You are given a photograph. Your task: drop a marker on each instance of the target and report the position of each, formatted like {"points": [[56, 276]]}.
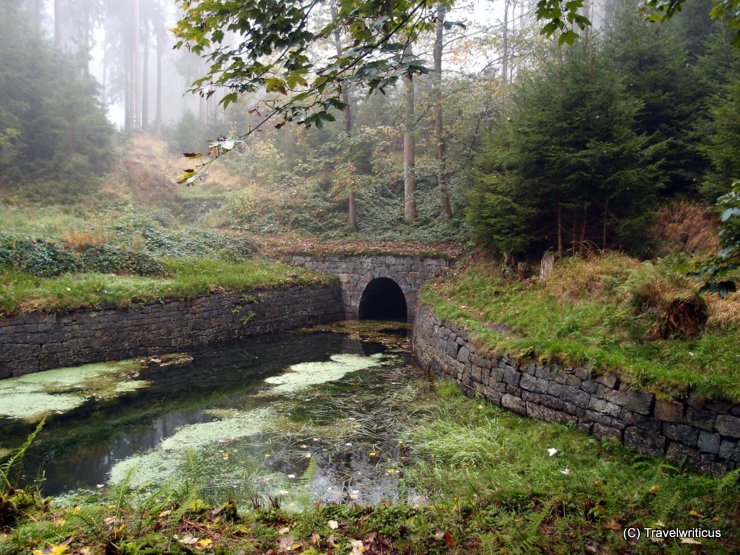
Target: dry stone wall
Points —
{"points": [[705, 432], [33, 342]]}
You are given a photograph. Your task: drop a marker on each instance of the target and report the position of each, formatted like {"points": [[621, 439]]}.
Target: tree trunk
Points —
{"points": [[603, 229], [444, 199], [352, 209], [347, 113], [160, 53], [136, 23], [57, 23], [409, 145], [85, 55], [573, 233], [145, 78], [37, 15], [560, 230], [582, 247], [505, 45]]}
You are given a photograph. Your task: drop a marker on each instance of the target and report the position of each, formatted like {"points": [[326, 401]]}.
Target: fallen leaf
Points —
{"points": [[284, 530], [612, 525], [692, 512], [449, 540], [690, 541], [187, 539], [51, 549], [357, 547], [205, 543], [333, 524]]}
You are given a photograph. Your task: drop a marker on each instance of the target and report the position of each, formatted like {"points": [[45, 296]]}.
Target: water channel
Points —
{"points": [[304, 416]]}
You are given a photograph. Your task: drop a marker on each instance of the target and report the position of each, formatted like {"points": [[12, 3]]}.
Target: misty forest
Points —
{"points": [[369, 276]]}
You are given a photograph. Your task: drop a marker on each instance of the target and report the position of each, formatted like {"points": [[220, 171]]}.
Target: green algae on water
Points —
{"points": [[166, 461], [306, 374], [32, 396]]}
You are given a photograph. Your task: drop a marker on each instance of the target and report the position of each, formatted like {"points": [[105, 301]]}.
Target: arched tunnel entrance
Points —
{"points": [[383, 300]]}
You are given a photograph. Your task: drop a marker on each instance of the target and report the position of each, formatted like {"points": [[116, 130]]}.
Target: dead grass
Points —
{"points": [[723, 312], [81, 240], [596, 276], [685, 226], [293, 243]]}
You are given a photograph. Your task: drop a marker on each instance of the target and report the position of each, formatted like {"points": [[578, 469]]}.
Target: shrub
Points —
{"points": [[669, 298], [108, 259], [41, 257], [48, 258]]}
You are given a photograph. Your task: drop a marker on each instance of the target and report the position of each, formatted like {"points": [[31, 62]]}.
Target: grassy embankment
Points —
{"points": [[492, 487], [24, 292], [596, 313]]}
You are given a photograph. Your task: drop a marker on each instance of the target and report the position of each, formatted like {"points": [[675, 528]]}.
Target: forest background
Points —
{"points": [[512, 140]]}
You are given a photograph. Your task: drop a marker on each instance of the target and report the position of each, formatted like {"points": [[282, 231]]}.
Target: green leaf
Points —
{"points": [[568, 37], [229, 99], [273, 84]]}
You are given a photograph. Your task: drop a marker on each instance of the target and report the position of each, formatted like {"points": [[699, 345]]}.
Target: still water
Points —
{"points": [[303, 416]]}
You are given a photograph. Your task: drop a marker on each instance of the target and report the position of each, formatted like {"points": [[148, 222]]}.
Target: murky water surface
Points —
{"points": [[300, 416]]}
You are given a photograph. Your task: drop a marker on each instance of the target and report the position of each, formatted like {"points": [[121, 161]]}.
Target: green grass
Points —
{"points": [[23, 292], [48, 221], [597, 328], [494, 468], [492, 488]]}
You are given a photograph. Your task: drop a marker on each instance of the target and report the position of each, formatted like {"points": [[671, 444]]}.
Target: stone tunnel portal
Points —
{"points": [[383, 300]]}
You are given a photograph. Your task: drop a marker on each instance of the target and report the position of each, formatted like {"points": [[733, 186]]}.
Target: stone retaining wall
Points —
{"points": [[355, 272], [33, 342], [706, 432]]}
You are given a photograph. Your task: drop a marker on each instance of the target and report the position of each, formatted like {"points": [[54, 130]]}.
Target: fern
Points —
{"points": [[7, 467]]}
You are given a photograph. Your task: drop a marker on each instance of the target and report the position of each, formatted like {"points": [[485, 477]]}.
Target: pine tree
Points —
{"points": [[566, 168]]}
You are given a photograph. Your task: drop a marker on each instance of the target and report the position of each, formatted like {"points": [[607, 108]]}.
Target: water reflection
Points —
{"points": [[354, 457]]}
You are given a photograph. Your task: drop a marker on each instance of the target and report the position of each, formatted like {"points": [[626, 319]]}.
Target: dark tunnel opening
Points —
{"points": [[383, 300]]}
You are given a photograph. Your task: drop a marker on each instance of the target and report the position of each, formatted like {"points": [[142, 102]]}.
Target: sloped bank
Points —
{"points": [[703, 431], [39, 341]]}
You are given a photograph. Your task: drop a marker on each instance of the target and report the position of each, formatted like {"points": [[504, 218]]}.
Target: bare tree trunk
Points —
{"points": [[57, 23], [145, 78], [409, 146], [505, 46], [160, 53], [444, 199], [582, 248], [603, 229], [347, 113], [128, 86], [573, 234], [560, 230], [37, 4], [135, 71], [86, 46]]}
